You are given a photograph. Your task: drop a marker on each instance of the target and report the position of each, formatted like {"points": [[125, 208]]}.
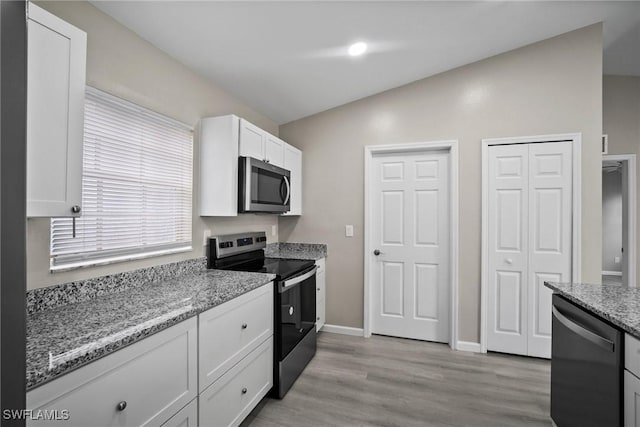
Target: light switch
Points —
{"points": [[274, 230], [207, 234], [616, 260], [348, 230]]}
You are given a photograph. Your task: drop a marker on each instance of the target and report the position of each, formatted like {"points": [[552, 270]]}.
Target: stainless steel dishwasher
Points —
{"points": [[586, 368]]}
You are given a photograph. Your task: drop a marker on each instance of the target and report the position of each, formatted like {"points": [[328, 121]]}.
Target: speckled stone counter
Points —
{"points": [[618, 304], [310, 251], [65, 337]]}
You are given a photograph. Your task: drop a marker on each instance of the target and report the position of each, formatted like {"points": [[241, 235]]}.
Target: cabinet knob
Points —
{"points": [[122, 405], [317, 318], [244, 326], [318, 288], [75, 209], [244, 390]]}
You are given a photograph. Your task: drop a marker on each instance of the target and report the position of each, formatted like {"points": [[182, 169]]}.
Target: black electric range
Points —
{"points": [[294, 300]]}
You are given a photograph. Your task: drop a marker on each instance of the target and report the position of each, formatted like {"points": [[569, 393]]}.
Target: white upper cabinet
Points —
{"points": [[274, 151], [293, 163], [219, 166], [261, 145], [57, 54], [252, 140], [222, 140]]}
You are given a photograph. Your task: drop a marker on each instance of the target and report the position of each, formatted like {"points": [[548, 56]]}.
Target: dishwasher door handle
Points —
{"points": [[584, 333]]}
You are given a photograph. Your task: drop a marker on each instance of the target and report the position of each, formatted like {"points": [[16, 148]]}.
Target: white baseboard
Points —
{"points": [[473, 347], [612, 273], [344, 330]]}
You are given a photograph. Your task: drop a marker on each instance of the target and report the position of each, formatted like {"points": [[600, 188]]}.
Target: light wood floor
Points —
{"points": [[396, 382]]}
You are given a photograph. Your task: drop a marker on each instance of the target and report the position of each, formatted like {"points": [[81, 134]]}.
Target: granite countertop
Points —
{"points": [[618, 304], [64, 338], [310, 251]]}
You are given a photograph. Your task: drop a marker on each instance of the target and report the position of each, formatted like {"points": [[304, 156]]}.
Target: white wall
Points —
{"points": [[611, 220], [554, 86], [123, 64]]}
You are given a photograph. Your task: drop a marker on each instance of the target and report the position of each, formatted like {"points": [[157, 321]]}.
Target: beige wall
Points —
{"points": [[125, 65], [554, 86], [621, 121]]}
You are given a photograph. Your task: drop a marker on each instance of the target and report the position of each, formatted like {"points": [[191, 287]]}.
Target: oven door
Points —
{"points": [[263, 187], [297, 314]]}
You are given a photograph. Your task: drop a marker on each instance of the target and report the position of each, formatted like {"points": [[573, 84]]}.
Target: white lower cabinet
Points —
{"points": [[230, 399], [235, 357], [144, 384], [320, 293], [186, 417], [229, 332], [631, 382]]}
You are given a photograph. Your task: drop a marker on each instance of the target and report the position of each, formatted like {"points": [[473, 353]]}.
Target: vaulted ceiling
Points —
{"points": [[289, 59]]}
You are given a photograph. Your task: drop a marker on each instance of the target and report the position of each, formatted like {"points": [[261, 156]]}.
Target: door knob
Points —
{"points": [[508, 261], [377, 252]]}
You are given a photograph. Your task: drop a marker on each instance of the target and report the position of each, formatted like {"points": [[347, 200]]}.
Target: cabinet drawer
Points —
{"points": [[228, 332], [186, 417], [155, 377], [230, 399], [632, 354]]}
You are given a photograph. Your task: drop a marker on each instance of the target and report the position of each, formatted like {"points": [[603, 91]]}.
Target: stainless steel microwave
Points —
{"points": [[262, 187]]}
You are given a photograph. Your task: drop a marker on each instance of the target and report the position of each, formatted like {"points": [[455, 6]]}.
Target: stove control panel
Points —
{"points": [[234, 244]]}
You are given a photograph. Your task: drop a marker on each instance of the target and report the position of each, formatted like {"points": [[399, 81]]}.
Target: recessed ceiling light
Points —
{"points": [[357, 49]]}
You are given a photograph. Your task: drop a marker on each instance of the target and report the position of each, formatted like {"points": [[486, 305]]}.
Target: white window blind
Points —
{"points": [[136, 186]]}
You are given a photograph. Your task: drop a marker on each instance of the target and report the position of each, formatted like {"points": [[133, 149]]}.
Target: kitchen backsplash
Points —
{"points": [[83, 290]]}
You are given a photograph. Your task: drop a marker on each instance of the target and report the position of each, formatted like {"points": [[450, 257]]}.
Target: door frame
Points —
{"points": [[631, 239], [451, 146], [576, 145]]}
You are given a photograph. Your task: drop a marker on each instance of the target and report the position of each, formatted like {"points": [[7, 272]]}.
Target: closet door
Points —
{"points": [[550, 208], [508, 243], [530, 213]]}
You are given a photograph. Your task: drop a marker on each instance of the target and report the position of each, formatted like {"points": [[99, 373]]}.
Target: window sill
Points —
{"points": [[115, 259]]}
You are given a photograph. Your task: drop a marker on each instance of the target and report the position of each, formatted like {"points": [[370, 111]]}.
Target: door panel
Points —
{"points": [[508, 240], [508, 300], [550, 228], [392, 217], [392, 289], [530, 205], [410, 227]]}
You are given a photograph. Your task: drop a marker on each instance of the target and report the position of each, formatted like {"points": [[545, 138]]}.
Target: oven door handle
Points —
{"points": [[287, 284], [582, 332]]}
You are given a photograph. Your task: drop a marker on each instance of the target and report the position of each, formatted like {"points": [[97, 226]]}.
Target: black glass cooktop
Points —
{"points": [[283, 268]]}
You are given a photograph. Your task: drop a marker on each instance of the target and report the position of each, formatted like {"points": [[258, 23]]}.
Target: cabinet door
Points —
{"points": [[55, 114], [252, 140], [230, 331], [631, 400], [186, 417], [152, 379], [274, 151], [230, 399], [293, 162]]}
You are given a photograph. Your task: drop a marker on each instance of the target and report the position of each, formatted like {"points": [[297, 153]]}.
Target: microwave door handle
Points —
{"points": [[286, 182]]}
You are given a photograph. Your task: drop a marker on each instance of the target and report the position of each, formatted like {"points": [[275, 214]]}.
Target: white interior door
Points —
{"points": [[529, 207], [508, 243], [410, 276]]}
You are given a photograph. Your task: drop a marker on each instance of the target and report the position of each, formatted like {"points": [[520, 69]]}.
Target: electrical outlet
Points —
{"points": [[348, 230], [205, 239], [616, 260], [274, 230]]}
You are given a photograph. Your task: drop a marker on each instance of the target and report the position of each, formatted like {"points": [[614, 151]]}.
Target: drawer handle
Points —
{"points": [[244, 326], [244, 390], [122, 405]]}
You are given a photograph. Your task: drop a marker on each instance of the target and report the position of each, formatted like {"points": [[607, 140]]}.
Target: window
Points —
{"points": [[136, 187]]}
